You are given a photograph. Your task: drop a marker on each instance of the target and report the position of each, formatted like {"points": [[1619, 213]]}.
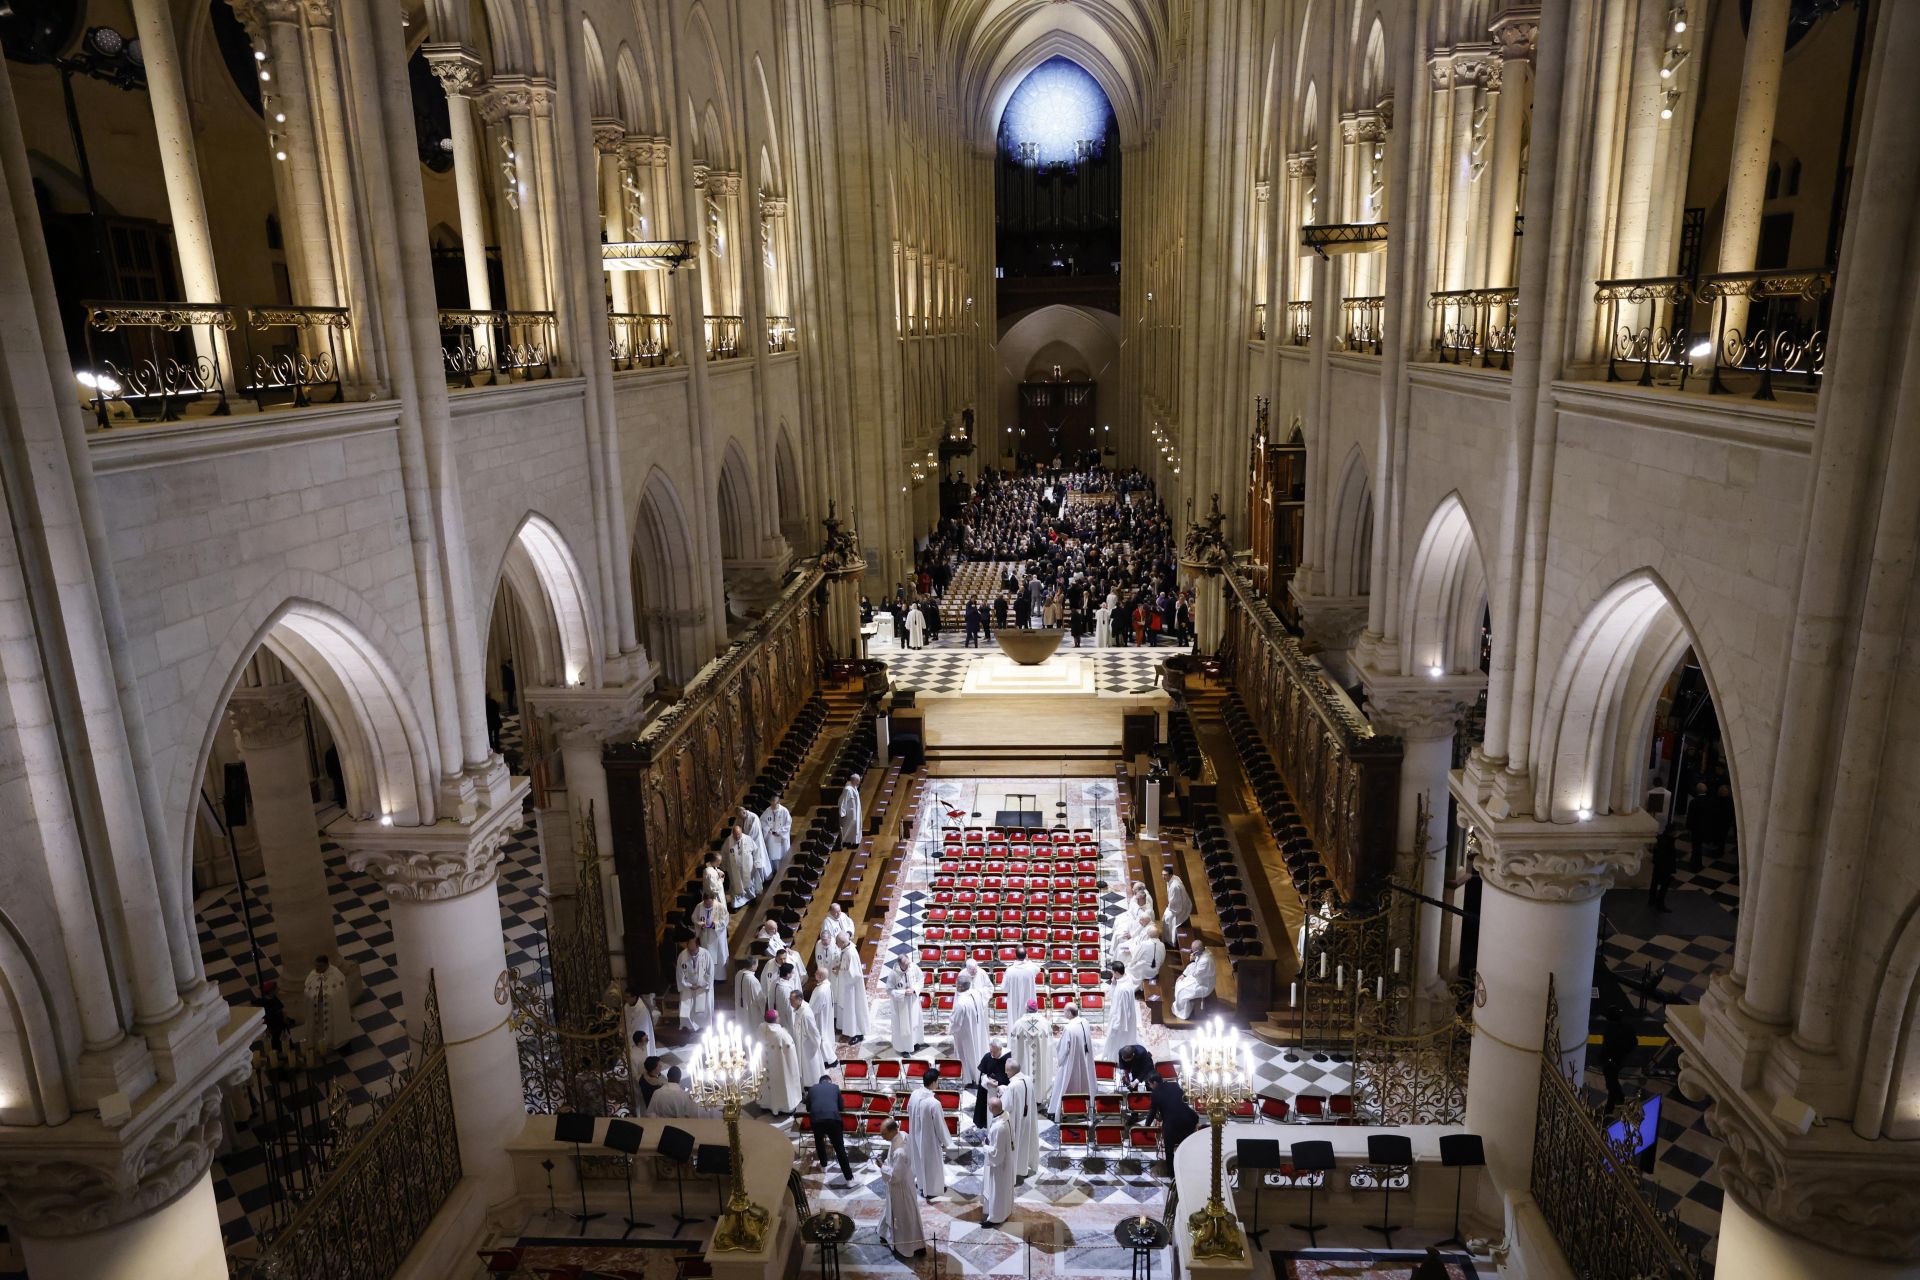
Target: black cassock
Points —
{"points": [[991, 1068]]}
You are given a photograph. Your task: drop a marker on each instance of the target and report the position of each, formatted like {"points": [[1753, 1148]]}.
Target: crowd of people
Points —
{"points": [[1090, 552]]}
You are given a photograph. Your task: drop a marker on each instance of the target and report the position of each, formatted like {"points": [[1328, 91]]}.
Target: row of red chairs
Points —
{"points": [[1111, 1137], [1085, 953], [1057, 1000], [873, 1123], [906, 1072], [1002, 835], [1041, 867], [1009, 918], [967, 899]]}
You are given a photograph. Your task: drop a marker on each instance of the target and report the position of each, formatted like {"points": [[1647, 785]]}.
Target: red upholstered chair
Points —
{"points": [[953, 1125], [1340, 1106], [949, 1099], [1110, 1137], [1074, 1135], [1274, 1109], [1168, 1070], [1106, 1072], [1075, 1106], [888, 1069], [854, 1069], [949, 1068], [500, 1262], [1144, 1138], [1108, 1106], [1310, 1106]]}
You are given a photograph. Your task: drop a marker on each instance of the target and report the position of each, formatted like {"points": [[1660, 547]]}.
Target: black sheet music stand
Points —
{"points": [[1313, 1159], [676, 1146], [624, 1136], [716, 1159], [1390, 1155], [1257, 1156], [1460, 1152], [574, 1127]]}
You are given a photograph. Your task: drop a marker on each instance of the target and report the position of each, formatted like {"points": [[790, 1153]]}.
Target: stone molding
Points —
{"points": [[1261, 191], [773, 206], [603, 713], [432, 864], [1517, 33], [1300, 164], [455, 66], [1330, 622], [717, 181], [1466, 67], [609, 137], [319, 12], [1419, 708], [507, 97], [268, 715], [1363, 126], [647, 153], [1553, 861]]}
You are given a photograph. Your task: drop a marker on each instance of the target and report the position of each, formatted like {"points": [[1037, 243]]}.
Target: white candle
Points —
{"points": [[1293, 994], [1379, 988], [1340, 978], [1323, 964], [1396, 959]]}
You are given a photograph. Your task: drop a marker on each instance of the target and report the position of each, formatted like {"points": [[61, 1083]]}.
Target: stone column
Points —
{"points": [[610, 142], [443, 887], [299, 140], [1514, 35], [1752, 144], [510, 103], [180, 169], [458, 70], [1539, 920], [270, 725]]}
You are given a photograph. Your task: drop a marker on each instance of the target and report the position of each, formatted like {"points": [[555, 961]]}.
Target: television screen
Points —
{"points": [[1649, 1127]]}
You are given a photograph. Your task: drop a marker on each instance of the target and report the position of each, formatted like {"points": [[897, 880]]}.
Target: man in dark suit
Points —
{"points": [[823, 1106], [1177, 1118]]}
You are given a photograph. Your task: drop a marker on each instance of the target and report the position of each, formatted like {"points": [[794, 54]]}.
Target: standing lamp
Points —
{"points": [[1460, 1152], [726, 1072], [577, 1128], [1257, 1156], [624, 1136], [1312, 1159], [1217, 1070]]}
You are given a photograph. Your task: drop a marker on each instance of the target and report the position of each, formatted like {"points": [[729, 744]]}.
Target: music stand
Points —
{"points": [[575, 1127], [1312, 1158], [1385, 1152], [624, 1136], [1258, 1155], [676, 1145], [716, 1159], [1460, 1152]]}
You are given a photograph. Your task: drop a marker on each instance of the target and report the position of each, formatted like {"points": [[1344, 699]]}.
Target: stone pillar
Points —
{"points": [[307, 220], [145, 1213], [1749, 1245], [180, 169], [443, 887], [610, 142], [270, 725], [1514, 36], [458, 70], [1209, 605], [1331, 625], [510, 104], [1539, 920], [1752, 144]]}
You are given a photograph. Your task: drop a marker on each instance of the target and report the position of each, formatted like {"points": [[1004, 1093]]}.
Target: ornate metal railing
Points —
{"points": [[724, 338], [1259, 322], [298, 1117], [293, 352], [1590, 1190], [1767, 325], [639, 340], [1362, 324], [781, 334], [486, 348], [155, 358], [384, 1191], [1300, 321], [1475, 324], [1417, 1077]]}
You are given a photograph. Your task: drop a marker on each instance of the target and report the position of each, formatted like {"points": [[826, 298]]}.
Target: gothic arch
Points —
{"points": [[666, 599], [33, 1086], [1351, 570], [735, 495], [1446, 596], [546, 583], [600, 99], [787, 488], [1887, 1098]]}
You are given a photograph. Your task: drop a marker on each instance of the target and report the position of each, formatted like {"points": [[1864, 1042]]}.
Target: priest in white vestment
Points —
{"points": [[850, 812], [821, 998], [329, 1010], [849, 992], [777, 822], [837, 925], [671, 1101], [916, 628], [771, 944], [1148, 954], [639, 1017], [927, 1131], [748, 1000], [904, 981], [996, 1189], [713, 876], [1179, 910], [710, 927], [1103, 628], [1072, 1059], [777, 992], [1023, 1112], [968, 1026], [693, 976], [736, 853], [1123, 1015], [900, 1222], [1032, 1051], [1019, 983], [780, 1058], [807, 1043], [1196, 982]]}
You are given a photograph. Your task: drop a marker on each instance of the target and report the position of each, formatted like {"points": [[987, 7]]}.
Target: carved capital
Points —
{"points": [[717, 182], [268, 716], [1554, 861], [1363, 126], [319, 12], [1517, 32], [433, 874], [1300, 164], [598, 713], [1416, 714], [507, 97], [1466, 67], [648, 153], [1261, 191], [279, 10], [773, 206], [455, 66], [609, 137]]}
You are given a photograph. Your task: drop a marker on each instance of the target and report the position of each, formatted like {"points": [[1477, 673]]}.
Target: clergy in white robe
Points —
{"points": [[996, 1189], [639, 1017], [329, 1009], [1103, 628], [713, 877], [777, 822], [1148, 954], [1196, 982], [771, 944], [850, 812], [1019, 984], [1126, 931], [748, 1000], [837, 925], [777, 1003], [849, 992], [916, 629], [806, 1037], [1072, 1059], [821, 998], [1024, 1116], [780, 1059], [1123, 1015], [671, 1101], [927, 1131], [903, 981], [1032, 1049], [762, 863], [900, 1222], [1179, 910], [968, 1026], [736, 854], [710, 927], [693, 975]]}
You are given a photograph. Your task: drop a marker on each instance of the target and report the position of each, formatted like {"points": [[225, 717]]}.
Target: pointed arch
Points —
{"points": [[1351, 570], [787, 489], [634, 95], [600, 97], [1446, 596], [666, 599], [716, 119], [771, 177], [736, 503], [33, 1086], [1372, 87], [545, 582]]}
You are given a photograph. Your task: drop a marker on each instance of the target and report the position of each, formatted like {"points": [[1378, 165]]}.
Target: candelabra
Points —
{"points": [[726, 1072], [1218, 1073]]}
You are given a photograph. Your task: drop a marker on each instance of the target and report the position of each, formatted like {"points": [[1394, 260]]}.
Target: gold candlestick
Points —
{"points": [[725, 1072], [1218, 1075]]}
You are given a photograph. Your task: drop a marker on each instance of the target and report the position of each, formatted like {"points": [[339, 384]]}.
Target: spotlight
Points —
{"points": [[279, 155], [386, 819], [1436, 671], [1584, 815], [279, 117], [1700, 351], [258, 56], [265, 76]]}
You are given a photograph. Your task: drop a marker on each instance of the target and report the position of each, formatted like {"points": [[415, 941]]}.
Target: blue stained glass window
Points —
{"points": [[1056, 109]]}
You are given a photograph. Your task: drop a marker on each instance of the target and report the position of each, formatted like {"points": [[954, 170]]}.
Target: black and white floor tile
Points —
{"points": [[943, 668]]}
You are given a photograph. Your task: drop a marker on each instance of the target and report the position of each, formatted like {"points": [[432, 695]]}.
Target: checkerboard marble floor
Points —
{"points": [[942, 668]]}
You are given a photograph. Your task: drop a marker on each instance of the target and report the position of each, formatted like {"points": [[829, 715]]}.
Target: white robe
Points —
{"points": [[903, 987], [736, 855], [968, 1027], [672, 1102], [996, 1189], [900, 1223], [1126, 928], [777, 822], [762, 862], [849, 993], [1179, 909], [1123, 1018], [1148, 955], [639, 1017], [1017, 1097], [710, 924], [748, 1001], [780, 1085], [714, 881], [821, 1001], [850, 814], [1019, 983], [777, 992], [1033, 1051], [927, 1127], [1073, 1062], [808, 1044], [693, 974], [1195, 984], [916, 629], [1103, 628], [329, 1011]]}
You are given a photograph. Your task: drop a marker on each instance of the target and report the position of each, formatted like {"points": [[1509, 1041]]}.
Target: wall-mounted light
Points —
{"points": [[1436, 671], [1675, 59], [1584, 815], [386, 819]]}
